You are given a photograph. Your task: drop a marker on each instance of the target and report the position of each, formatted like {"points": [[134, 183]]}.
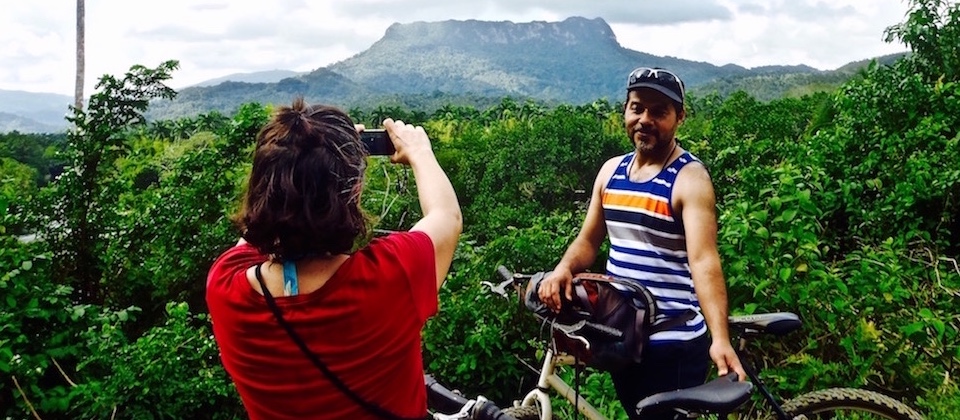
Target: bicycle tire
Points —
{"points": [[833, 402], [528, 412]]}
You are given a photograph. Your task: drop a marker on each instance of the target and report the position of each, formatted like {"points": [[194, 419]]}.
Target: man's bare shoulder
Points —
{"points": [[606, 171], [611, 164], [694, 171], [693, 186]]}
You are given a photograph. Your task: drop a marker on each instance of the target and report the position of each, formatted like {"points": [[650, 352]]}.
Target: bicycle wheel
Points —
{"points": [[848, 404], [528, 412]]}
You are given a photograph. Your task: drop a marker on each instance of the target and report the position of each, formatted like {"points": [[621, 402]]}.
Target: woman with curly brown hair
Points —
{"points": [[293, 295]]}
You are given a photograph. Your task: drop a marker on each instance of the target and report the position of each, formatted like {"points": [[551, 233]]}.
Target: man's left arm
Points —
{"points": [[694, 195]]}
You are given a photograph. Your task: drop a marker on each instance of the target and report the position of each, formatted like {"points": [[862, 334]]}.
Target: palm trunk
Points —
{"points": [[78, 92]]}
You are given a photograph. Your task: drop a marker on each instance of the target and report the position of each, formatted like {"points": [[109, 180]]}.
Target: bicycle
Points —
{"points": [[719, 396], [441, 400]]}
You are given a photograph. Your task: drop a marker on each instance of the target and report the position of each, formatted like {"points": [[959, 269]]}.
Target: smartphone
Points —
{"points": [[377, 142]]}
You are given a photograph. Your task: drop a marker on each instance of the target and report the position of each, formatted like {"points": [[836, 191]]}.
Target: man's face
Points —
{"points": [[651, 120]]}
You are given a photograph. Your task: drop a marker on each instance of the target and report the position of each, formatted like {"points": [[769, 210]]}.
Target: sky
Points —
{"points": [[215, 38]]}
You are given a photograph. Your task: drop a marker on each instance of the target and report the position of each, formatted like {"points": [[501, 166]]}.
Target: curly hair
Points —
{"points": [[303, 194]]}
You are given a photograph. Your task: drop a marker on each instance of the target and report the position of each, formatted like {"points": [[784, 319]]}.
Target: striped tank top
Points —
{"points": [[647, 244]]}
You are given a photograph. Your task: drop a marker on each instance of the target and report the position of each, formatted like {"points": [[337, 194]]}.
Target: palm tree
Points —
{"points": [[78, 92]]}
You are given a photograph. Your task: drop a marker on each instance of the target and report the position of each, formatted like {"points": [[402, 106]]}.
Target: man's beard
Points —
{"points": [[652, 141]]}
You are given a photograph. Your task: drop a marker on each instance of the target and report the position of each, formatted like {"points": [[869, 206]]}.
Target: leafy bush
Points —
{"points": [[172, 371], [42, 333]]}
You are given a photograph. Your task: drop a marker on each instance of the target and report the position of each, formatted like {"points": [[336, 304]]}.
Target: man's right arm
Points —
{"points": [[582, 252]]}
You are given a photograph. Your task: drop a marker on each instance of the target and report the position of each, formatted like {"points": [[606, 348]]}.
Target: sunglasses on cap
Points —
{"points": [[659, 79]]}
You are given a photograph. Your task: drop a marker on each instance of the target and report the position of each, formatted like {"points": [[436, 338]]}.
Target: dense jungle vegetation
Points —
{"points": [[843, 207]]}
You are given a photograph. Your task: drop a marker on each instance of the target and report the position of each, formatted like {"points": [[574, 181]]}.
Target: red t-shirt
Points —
{"points": [[364, 324]]}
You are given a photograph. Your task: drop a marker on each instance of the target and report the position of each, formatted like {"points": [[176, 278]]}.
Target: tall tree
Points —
{"points": [[80, 199], [78, 91]]}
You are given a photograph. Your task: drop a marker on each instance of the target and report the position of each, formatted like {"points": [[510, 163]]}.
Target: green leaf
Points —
{"points": [[760, 287], [762, 232], [939, 326], [912, 328], [788, 215]]}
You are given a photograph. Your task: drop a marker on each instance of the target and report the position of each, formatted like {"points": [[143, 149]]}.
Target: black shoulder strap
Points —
{"points": [[673, 322], [369, 406]]}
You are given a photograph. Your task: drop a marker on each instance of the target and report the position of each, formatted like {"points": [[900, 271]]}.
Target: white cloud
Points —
{"points": [[784, 32], [214, 38]]}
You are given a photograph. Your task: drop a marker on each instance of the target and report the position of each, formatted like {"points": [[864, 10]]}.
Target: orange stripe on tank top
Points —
{"points": [[638, 202]]}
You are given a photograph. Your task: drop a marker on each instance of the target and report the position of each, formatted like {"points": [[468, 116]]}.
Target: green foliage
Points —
{"points": [[18, 180], [943, 403], [770, 87], [596, 387], [167, 233], [36, 151], [42, 332], [492, 335], [17, 185], [172, 371], [528, 163], [78, 201], [932, 31]]}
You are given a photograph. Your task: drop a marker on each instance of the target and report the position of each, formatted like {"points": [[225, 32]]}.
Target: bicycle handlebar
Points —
{"points": [[506, 274], [607, 331], [444, 400], [541, 311], [486, 410]]}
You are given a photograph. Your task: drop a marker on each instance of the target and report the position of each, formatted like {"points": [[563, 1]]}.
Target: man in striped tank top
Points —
{"points": [[656, 205]]}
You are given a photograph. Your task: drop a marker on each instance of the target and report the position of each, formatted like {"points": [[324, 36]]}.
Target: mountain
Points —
{"points": [[576, 60], [772, 82], [269, 76], [471, 62], [227, 96], [855, 66], [12, 122], [31, 112]]}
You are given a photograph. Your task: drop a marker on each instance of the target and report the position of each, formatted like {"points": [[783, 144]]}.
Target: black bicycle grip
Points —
{"points": [[506, 274], [605, 330], [487, 410], [441, 398]]}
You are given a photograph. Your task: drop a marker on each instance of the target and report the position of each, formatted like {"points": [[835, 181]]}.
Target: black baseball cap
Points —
{"points": [[658, 79]]}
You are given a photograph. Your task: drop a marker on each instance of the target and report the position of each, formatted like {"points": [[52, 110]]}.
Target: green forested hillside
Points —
{"points": [[787, 82], [575, 61], [842, 207]]}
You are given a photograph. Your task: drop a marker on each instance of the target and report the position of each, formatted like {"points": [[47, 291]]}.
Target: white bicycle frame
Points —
{"points": [[550, 380]]}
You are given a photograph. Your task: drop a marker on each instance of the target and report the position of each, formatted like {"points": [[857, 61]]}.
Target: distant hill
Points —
{"points": [[855, 66], [429, 64], [772, 82], [12, 122], [270, 76], [30, 112], [227, 96], [577, 60]]}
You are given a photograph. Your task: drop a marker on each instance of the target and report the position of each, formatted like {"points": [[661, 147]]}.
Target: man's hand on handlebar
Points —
{"points": [[551, 287]]}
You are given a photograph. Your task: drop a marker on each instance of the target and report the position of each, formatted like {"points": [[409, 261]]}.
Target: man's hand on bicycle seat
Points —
{"points": [[726, 359], [551, 287]]}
